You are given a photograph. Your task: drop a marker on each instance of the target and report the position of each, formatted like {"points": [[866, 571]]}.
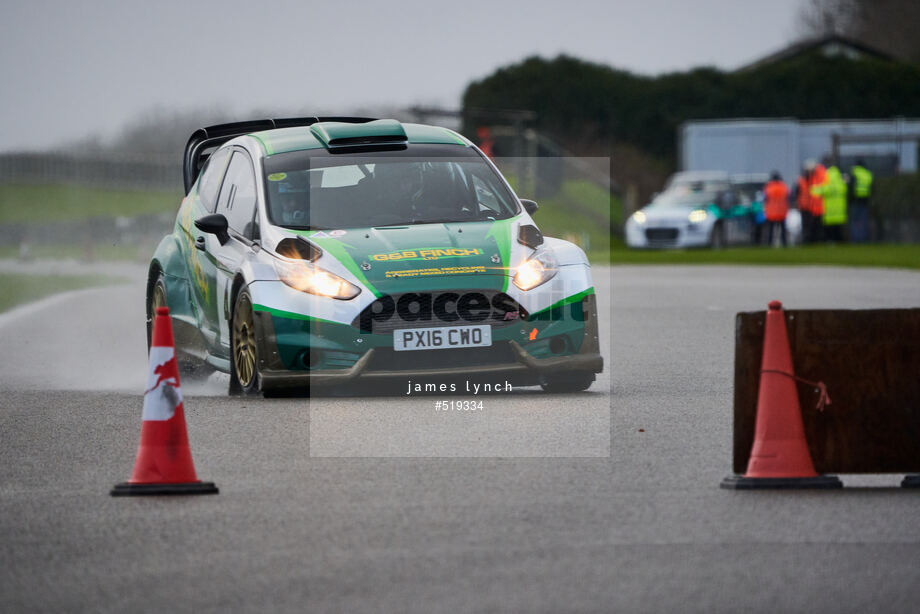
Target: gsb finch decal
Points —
{"points": [[430, 253]]}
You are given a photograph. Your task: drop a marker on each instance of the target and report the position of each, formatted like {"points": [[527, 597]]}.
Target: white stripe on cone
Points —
{"points": [[162, 395]]}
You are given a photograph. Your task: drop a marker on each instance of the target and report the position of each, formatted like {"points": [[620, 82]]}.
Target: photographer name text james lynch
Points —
{"points": [[468, 386]]}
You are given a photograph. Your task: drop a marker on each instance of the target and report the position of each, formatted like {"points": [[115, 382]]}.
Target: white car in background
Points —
{"points": [[705, 209], [687, 213]]}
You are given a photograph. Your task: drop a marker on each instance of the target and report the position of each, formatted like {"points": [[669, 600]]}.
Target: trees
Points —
{"points": [[889, 25], [581, 102]]}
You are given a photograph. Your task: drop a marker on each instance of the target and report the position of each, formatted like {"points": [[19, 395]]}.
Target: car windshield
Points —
{"points": [[751, 191], [325, 192], [685, 196]]}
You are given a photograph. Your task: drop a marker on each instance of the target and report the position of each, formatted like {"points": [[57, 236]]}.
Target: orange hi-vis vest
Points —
{"points": [[777, 201], [803, 197], [818, 178]]}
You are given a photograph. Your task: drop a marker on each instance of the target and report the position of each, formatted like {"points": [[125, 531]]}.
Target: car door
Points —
{"points": [[237, 202], [743, 219], [737, 222], [201, 244]]}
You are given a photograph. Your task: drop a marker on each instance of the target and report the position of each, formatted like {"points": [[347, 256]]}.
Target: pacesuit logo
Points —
{"points": [[162, 394]]}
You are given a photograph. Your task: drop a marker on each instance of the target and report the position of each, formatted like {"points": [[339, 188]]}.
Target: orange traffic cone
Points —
{"points": [[779, 457], [164, 460]]}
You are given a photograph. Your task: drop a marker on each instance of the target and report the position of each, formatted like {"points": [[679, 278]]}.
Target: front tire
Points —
{"points": [[244, 370], [157, 299], [571, 382]]}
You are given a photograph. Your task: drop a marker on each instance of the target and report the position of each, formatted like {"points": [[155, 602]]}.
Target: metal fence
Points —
{"points": [[131, 171]]}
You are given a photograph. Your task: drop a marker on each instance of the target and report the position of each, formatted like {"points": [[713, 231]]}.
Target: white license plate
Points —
{"points": [[442, 338]]}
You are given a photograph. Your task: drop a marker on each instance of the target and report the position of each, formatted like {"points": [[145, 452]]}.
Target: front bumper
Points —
{"points": [[654, 234], [284, 362], [527, 371]]}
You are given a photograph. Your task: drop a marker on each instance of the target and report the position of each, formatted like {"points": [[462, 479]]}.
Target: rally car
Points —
{"points": [[329, 251]]}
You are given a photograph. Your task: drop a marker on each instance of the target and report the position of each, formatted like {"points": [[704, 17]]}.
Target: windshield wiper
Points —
{"points": [[437, 221]]}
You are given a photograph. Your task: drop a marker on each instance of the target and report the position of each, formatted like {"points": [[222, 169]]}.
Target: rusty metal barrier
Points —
{"points": [[869, 361]]}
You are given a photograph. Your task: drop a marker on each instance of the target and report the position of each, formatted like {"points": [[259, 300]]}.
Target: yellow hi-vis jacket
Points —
{"points": [[862, 181], [834, 193]]}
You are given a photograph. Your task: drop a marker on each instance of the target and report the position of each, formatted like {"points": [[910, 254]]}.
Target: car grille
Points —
{"points": [[661, 237], [387, 359], [504, 311]]}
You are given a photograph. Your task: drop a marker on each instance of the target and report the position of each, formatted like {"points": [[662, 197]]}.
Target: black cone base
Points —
{"points": [[739, 482], [911, 481], [126, 489]]}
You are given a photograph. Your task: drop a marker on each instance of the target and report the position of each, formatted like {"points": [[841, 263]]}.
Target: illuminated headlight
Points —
{"points": [[536, 270], [306, 277], [639, 217], [697, 215]]}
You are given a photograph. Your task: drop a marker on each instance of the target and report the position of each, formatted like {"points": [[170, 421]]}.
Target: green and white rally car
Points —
{"points": [[329, 251]]}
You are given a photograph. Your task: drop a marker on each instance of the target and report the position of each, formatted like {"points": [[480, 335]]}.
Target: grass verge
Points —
{"points": [[35, 204], [21, 288], [581, 212], [96, 252], [876, 255]]}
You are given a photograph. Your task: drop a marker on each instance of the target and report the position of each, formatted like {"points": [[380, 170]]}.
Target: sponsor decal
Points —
{"points": [[277, 176], [446, 308], [332, 234], [192, 254], [447, 270], [428, 253]]}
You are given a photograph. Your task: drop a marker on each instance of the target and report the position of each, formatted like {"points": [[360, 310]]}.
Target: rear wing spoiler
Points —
{"points": [[204, 141]]}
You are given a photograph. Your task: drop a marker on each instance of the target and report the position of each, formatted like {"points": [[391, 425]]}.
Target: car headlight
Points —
{"points": [[536, 270], [639, 217], [307, 277], [697, 215]]}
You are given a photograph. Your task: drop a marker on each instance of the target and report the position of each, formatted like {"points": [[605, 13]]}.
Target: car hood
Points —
{"points": [[395, 259]]}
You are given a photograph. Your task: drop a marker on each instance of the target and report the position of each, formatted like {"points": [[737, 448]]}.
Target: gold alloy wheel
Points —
{"points": [[244, 343]]}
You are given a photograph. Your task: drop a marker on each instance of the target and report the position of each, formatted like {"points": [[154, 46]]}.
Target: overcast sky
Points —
{"points": [[73, 68]]}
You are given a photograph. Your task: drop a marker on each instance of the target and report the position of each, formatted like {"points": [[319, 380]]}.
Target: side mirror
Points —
{"points": [[530, 206], [214, 224]]}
